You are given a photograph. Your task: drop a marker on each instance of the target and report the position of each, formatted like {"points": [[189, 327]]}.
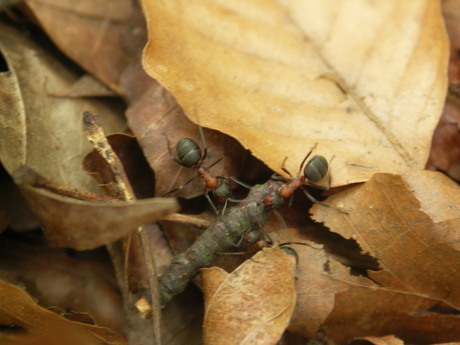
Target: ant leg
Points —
{"points": [[203, 140], [327, 187], [242, 184], [313, 200], [181, 187], [225, 207], [306, 157], [170, 151], [284, 168], [280, 220], [211, 202], [212, 164], [311, 197], [236, 201], [277, 177]]}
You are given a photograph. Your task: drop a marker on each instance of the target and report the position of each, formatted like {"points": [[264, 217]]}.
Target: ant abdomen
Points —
{"points": [[316, 169], [188, 152], [222, 191]]}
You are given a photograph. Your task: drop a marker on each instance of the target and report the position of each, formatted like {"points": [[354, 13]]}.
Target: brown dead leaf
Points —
{"points": [[39, 130], [82, 224], [85, 86], [253, 304], [410, 225], [280, 77], [445, 150], [89, 32], [26, 323], [82, 282]]}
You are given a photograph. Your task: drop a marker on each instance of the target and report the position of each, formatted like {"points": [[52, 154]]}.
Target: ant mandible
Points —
{"points": [[189, 155]]}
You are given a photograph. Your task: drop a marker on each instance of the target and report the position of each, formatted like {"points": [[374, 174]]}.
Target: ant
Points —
{"points": [[190, 155], [314, 171]]}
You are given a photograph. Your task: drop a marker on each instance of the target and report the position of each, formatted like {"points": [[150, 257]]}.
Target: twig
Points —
{"points": [[223, 234], [123, 190]]}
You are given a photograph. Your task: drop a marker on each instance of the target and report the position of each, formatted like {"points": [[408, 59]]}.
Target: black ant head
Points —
{"points": [[188, 152], [316, 169]]}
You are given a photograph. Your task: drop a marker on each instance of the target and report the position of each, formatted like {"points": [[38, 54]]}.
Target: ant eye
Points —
{"points": [[188, 152], [316, 169]]}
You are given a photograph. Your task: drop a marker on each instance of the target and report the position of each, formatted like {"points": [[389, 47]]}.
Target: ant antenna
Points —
{"points": [[200, 130]]}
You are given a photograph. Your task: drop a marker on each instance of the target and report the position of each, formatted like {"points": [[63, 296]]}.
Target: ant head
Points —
{"points": [[316, 169], [188, 152]]}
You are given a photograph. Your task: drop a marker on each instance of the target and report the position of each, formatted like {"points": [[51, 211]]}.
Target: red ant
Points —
{"points": [[189, 155]]}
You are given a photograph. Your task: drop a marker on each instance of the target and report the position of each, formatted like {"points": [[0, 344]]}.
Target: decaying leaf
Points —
{"points": [[82, 224], [37, 129], [89, 32], [253, 304], [365, 81], [65, 279], [26, 323], [445, 149], [409, 224]]}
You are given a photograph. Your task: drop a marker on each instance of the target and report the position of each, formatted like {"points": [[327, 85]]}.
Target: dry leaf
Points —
{"points": [[39, 130], [253, 304], [85, 86], [33, 325], [81, 282], [89, 32], [445, 150], [410, 226], [82, 225], [364, 80]]}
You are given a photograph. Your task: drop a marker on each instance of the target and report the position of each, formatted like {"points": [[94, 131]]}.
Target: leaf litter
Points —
{"points": [[335, 302]]}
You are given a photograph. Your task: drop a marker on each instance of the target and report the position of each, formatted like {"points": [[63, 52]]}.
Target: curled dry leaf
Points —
{"points": [[410, 225], [366, 81], [25, 322], [253, 304], [83, 224], [37, 129]]}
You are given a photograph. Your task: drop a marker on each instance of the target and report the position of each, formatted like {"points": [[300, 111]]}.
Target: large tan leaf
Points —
{"points": [[253, 304], [365, 80]]}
